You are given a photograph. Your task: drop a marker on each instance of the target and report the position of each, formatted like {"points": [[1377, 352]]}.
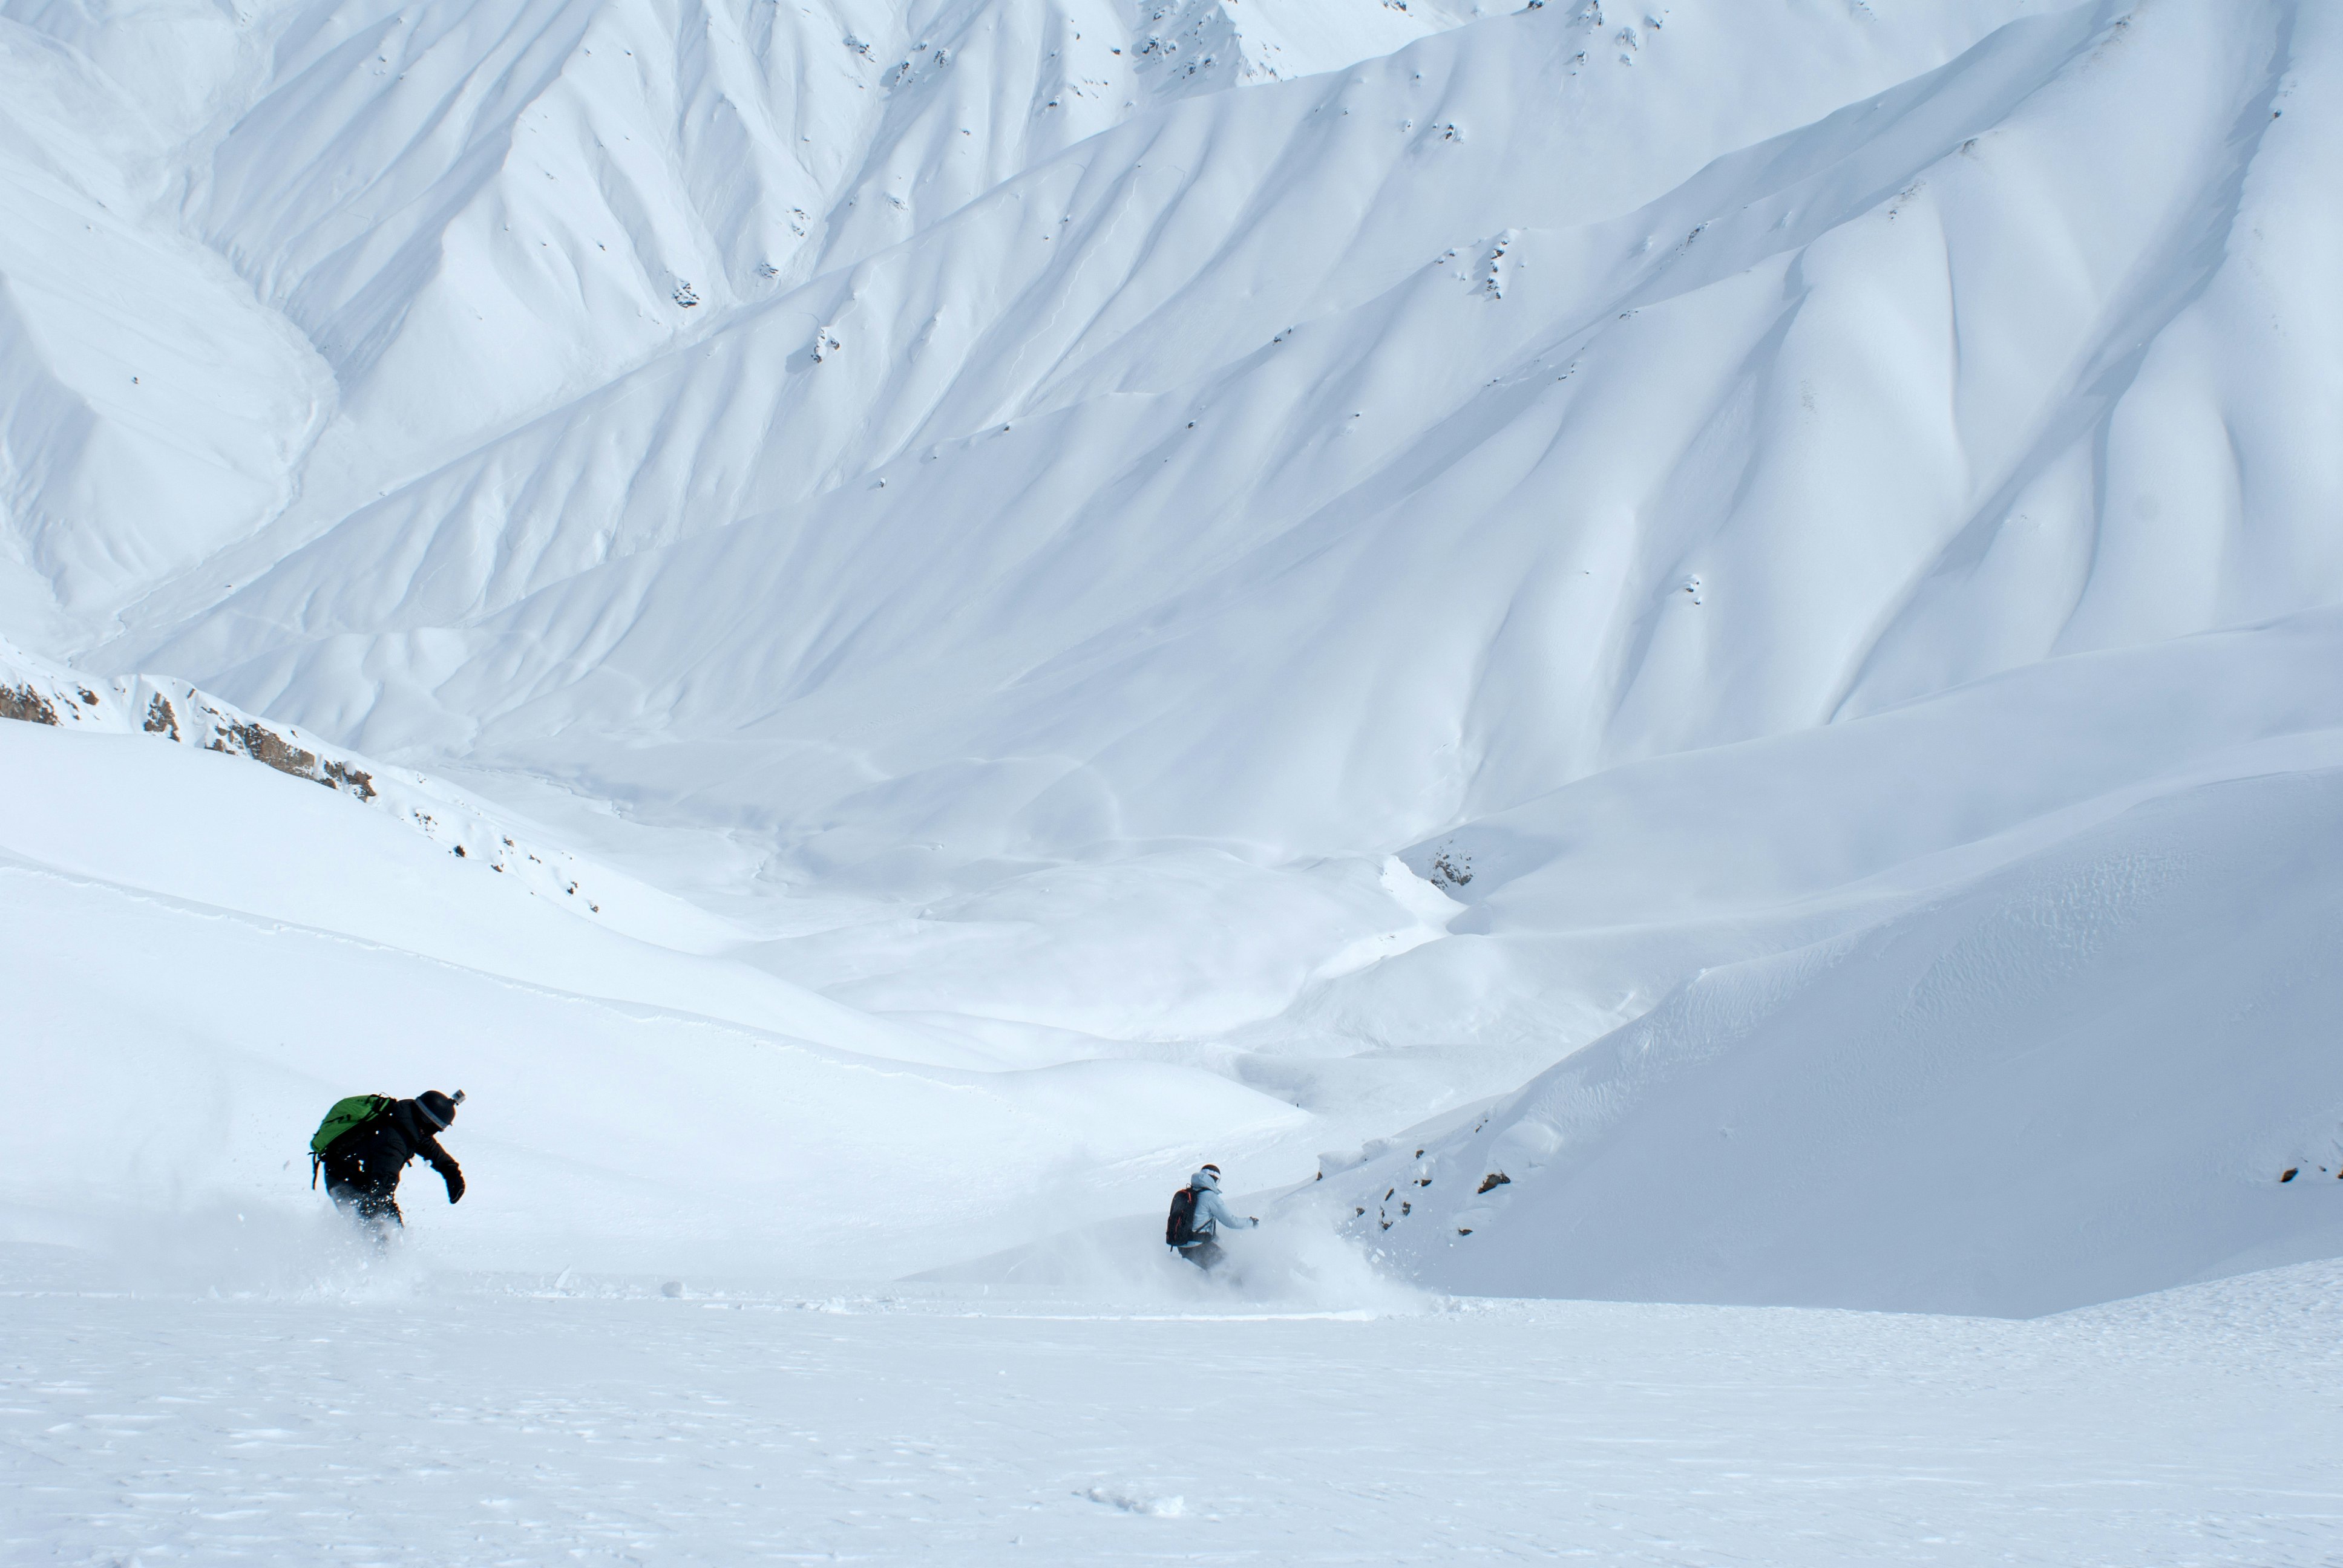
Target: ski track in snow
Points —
{"points": [[464, 1420]]}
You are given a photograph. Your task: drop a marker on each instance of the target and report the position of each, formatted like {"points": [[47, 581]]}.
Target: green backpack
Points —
{"points": [[347, 1116]]}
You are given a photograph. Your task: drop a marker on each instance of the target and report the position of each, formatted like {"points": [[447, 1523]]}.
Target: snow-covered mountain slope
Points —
{"points": [[1780, 407], [151, 408], [1055, 536], [2048, 1074], [202, 952], [1922, 1040], [443, 219]]}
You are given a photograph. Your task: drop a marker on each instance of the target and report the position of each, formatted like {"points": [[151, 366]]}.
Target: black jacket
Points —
{"points": [[371, 1158]]}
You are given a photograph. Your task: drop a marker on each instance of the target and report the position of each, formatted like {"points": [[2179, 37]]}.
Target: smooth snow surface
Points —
{"points": [[454, 1419]]}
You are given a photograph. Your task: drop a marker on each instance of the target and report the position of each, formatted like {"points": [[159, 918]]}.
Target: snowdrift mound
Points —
{"points": [[2102, 1069]]}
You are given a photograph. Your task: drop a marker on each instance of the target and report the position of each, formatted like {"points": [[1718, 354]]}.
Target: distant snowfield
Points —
{"points": [[1727, 612]]}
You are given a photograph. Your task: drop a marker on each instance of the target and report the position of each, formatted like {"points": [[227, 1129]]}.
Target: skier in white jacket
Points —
{"points": [[1207, 1214]]}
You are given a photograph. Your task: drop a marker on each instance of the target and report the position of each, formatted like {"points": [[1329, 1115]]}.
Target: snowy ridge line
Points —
{"points": [[41, 691]]}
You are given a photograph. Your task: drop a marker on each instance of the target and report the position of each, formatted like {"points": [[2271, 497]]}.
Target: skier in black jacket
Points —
{"points": [[363, 1166]]}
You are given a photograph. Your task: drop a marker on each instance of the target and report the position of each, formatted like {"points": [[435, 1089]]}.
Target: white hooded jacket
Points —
{"points": [[1211, 1213]]}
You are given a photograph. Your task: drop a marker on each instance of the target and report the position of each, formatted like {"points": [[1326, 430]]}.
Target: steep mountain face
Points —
{"points": [[1704, 403], [1029, 508], [443, 219]]}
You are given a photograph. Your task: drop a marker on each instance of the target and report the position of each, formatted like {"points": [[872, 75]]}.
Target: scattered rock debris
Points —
{"points": [[1493, 266], [257, 740], [342, 776], [254, 739], [35, 690], [24, 702]]}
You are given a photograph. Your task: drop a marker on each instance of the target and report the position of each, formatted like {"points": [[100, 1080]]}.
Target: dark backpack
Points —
{"points": [[346, 1118], [1180, 1228]]}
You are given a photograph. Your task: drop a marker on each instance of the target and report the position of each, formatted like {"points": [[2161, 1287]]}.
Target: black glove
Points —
{"points": [[454, 1183]]}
